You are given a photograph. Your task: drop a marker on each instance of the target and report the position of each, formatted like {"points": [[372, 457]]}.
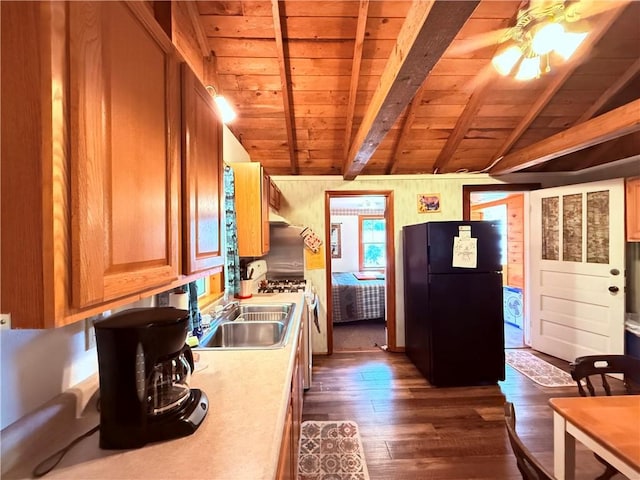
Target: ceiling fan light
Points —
{"points": [[547, 37], [506, 60], [226, 112], [529, 69], [569, 43]]}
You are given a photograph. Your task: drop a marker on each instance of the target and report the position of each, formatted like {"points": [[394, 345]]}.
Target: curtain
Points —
{"points": [[195, 318], [232, 260]]}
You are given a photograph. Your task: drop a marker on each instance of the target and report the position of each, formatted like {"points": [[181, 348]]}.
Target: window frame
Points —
{"points": [[361, 266]]}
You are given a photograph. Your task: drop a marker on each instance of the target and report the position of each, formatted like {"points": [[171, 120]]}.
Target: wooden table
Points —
{"points": [[609, 426]]}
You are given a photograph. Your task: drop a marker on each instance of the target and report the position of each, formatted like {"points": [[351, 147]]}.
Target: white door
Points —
{"points": [[577, 269]]}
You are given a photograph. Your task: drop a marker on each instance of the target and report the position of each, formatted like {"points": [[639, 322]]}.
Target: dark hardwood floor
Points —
{"points": [[411, 430]]}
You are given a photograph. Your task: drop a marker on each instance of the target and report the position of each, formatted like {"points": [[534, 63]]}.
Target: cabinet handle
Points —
{"points": [[613, 289]]}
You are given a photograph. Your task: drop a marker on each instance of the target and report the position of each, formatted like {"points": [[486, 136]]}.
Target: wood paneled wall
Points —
{"points": [[515, 235]]}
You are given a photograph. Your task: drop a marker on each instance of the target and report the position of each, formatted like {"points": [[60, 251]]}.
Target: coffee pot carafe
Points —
{"points": [[169, 388], [145, 370]]}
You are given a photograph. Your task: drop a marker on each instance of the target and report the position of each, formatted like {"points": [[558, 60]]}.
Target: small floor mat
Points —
{"points": [[538, 370], [331, 451]]}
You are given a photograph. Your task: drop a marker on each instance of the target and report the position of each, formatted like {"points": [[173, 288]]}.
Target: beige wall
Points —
{"points": [[349, 260], [232, 149], [304, 200]]}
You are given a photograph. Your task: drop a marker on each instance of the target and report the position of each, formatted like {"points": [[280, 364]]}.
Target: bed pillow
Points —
{"points": [[369, 275]]}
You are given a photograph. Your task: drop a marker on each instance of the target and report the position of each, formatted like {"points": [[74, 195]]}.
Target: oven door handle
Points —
{"points": [[313, 307]]}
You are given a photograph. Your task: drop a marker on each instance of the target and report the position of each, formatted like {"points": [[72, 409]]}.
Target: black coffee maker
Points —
{"points": [[144, 369]]}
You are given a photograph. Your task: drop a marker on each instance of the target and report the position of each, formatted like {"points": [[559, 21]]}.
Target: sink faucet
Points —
{"points": [[231, 304], [223, 308]]}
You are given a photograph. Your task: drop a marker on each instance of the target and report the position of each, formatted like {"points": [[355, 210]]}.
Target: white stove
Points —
{"points": [[264, 286], [282, 286]]}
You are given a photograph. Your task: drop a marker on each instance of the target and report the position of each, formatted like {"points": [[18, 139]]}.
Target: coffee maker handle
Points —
{"points": [[186, 351]]}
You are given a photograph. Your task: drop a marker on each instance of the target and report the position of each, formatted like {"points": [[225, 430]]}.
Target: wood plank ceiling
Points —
{"points": [[397, 87]]}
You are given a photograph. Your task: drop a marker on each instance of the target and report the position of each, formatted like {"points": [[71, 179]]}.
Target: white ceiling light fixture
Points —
{"points": [[227, 114], [539, 31]]}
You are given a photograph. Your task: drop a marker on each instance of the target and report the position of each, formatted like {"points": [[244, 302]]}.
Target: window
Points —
{"points": [[202, 286], [372, 242]]}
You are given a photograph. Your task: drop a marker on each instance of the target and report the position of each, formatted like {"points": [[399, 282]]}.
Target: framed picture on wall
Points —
{"points": [[428, 202], [336, 240]]}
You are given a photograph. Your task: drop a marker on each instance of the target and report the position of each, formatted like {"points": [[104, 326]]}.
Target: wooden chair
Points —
{"points": [[585, 370], [529, 466]]}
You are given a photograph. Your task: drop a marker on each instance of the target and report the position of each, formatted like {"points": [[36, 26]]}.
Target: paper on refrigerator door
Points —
{"points": [[465, 252]]}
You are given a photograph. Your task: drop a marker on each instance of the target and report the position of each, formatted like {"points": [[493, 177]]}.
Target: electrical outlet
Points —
{"points": [[90, 333]]}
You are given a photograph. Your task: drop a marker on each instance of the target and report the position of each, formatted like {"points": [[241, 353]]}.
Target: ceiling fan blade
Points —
{"points": [[476, 42], [486, 74], [584, 9]]}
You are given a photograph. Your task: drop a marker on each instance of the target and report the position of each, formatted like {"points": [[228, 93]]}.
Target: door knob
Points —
{"points": [[613, 289]]}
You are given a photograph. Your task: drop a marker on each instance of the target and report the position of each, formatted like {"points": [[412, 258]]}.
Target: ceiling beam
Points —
{"points": [[428, 30], [285, 86], [614, 124], [617, 149], [363, 13], [563, 73], [612, 151], [610, 92], [201, 38], [405, 133]]}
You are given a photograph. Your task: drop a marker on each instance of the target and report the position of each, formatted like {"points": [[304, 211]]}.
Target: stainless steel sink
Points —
{"points": [[250, 326], [245, 334]]}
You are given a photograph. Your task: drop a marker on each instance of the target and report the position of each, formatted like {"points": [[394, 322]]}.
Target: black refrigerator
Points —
{"points": [[454, 331]]}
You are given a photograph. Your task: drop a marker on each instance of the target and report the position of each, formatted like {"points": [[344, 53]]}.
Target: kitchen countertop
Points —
{"points": [[248, 391]]}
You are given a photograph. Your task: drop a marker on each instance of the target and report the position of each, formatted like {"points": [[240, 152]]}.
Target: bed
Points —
{"points": [[354, 299]]}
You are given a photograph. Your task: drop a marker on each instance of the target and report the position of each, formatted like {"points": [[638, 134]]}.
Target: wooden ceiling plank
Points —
{"points": [[476, 101], [561, 77], [201, 38], [407, 125], [608, 126], [285, 86], [610, 92], [355, 72], [427, 32]]}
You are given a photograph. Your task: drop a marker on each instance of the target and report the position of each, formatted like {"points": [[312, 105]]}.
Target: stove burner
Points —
{"points": [[282, 286]]}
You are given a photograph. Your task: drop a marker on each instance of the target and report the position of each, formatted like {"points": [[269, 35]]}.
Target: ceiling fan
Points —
{"points": [[540, 27]]}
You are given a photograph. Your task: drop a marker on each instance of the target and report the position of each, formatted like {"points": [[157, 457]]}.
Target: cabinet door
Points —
{"points": [[33, 171], [252, 208], [201, 176], [285, 461], [296, 407], [274, 195], [265, 213], [124, 147]]}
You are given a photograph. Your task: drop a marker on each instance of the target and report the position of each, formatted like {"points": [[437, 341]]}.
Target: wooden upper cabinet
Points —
{"points": [[252, 208], [90, 159], [264, 204], [275, 196], [633, 209], [124, 126], [201, 177]]}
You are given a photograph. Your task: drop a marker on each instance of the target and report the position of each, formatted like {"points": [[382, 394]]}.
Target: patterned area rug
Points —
{"points": [[331, 451], [541, 372]]}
